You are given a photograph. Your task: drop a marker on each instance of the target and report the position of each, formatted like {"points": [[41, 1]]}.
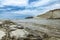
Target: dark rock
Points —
{"points": [[29, 17]]}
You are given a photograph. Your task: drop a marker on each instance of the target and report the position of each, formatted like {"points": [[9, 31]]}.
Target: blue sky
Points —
{"points": [[23, 8]]}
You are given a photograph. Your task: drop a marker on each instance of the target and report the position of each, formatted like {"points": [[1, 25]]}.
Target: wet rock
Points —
{"points": [[45, 36], [52, 38]]}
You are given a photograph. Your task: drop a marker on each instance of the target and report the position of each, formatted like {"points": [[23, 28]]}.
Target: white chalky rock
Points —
{"points": [[2, 33], [19, 33]]}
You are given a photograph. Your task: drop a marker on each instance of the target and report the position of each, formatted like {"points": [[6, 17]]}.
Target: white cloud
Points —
{"points": [[15, 2], [39, 3], [51, 7], [27, 12], [54, 6], [44, 2], [33, 4]]}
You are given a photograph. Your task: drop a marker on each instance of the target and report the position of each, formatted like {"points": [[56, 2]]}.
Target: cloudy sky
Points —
{"points": [[22, 8]]}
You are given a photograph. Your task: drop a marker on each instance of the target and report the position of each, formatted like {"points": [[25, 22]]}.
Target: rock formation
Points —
{"points": [[52, 14]]}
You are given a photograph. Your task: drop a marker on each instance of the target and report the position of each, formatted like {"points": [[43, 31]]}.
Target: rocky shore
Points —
{"points": [[30, 29]]}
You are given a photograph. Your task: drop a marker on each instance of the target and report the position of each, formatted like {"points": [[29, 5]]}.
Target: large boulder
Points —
{"points": [[19, 33]]}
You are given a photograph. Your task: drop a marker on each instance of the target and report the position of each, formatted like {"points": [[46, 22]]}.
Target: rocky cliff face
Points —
{"points": [[55, 14]]}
